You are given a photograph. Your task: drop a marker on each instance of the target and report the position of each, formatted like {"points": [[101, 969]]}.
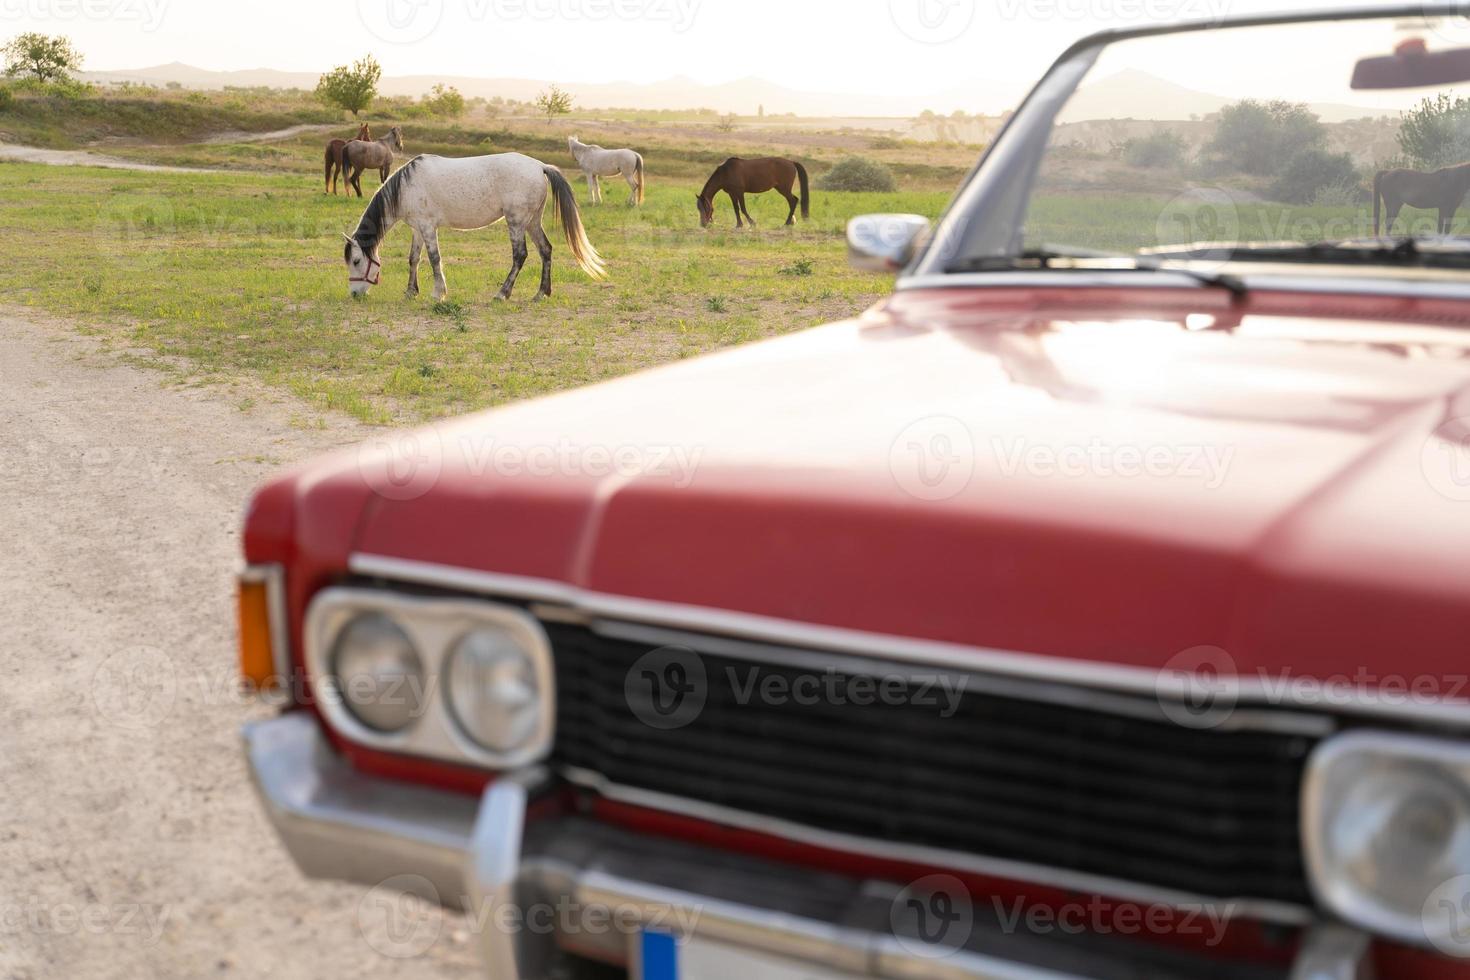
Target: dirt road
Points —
{"points": [[85, 158], [131, 844], [89, 158]]}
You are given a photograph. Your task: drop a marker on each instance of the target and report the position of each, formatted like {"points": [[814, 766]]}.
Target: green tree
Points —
{"points": [[1259, 138], [554, 102], [1311, 171], [351, 87], [1436, 133], [444, 100], [44, 57]]}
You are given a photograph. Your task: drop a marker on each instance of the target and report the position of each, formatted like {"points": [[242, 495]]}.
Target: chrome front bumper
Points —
{"points": [[599, 885]]}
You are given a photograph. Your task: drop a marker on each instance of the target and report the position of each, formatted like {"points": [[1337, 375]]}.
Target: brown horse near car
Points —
{"points": [[334, 161], [737, 178], [358, 155], [1440, 190]]}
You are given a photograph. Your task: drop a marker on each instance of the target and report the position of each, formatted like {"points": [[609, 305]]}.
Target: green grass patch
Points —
{"points": [[235, 275]]}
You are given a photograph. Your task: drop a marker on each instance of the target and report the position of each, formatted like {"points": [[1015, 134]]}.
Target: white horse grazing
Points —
{"points": [[597, 162], [431, 192]]}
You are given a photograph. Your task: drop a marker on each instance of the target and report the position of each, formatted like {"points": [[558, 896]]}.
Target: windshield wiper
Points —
{"points": [[1407, 252], [1063, 258]]}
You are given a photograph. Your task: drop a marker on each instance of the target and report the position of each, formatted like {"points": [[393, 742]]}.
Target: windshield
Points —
{"points": [[1241, 144]]}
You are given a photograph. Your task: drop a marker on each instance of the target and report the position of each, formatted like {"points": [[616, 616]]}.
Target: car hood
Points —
{"points": [[1106, 476]]}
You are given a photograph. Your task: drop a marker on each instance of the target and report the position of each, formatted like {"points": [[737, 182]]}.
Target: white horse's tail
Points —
{"points": [[638, 176], [564, 209]]}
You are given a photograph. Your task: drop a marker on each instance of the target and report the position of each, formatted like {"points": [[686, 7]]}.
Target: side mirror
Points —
{"points": [[884, 242]]}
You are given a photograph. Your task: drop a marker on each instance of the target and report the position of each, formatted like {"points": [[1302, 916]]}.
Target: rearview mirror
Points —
{"points": [[884, 242], [1413, 65]]}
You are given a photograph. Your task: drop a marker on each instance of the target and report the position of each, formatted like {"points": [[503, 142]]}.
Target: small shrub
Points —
{"points": [[857, 174], [801, 267], [1164, 148], [1339, 195], [716, 304], [1309, 171]]}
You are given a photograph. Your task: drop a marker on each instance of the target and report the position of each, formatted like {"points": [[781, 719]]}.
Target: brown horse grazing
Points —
{"points": [[334, 162], [358, 155], [1441, 190], [737, 178]]}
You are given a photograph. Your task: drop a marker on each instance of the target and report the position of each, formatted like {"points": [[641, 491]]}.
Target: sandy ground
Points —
{"points": [[131, 844]]}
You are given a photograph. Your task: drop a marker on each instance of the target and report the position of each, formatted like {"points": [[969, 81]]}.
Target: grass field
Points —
{"points": [[237, 273], [215, 275]]}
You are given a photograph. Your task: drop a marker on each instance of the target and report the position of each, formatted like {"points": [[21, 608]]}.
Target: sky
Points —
{"points": [[907, 47]]}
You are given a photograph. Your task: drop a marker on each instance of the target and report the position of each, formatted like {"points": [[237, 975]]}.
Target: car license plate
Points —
{"points": [[662, 958]]}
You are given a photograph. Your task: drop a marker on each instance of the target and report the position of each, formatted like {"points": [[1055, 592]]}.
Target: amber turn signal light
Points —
{"points": [[257, 652]]}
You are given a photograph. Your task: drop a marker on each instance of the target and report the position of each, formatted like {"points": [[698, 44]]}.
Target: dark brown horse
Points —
{"points": [[334, 159], [737, 178], [358, 155], [1440, 190]]}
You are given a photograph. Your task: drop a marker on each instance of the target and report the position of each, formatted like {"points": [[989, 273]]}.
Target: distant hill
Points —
{"points": [[1134, 94], [1129, 94], [744, 96]]}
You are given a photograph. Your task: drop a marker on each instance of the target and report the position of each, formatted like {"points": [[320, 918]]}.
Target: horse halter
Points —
{"points": [[374, 268]]}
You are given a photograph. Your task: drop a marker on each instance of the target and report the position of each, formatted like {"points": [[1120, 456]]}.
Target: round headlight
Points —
{"points": [[379, 673], [492, 687], [1387, 821]]}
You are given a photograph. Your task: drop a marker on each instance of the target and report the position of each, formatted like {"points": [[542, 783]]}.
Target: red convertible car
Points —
{"points": [[1097, 605]]}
